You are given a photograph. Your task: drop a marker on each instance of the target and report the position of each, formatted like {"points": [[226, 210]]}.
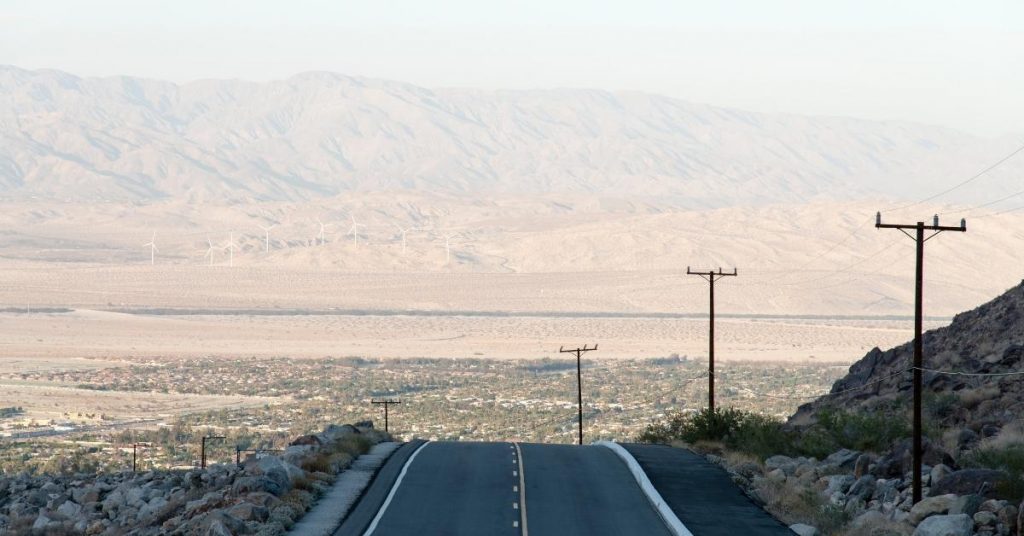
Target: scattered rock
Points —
{"points": [[946, 525], [804, 530], [861, 466], [985, 519], [930, 506], [937, 473], [863, 488], [965, 504], [843, 458], [968, 481], [249, 512]]}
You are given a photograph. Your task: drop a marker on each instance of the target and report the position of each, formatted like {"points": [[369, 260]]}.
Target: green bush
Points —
{"points": [[752, 433], [763, 436], [1008, 458], [876, 431]]}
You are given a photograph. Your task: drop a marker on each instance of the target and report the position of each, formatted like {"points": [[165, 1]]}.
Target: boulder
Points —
{"points": [[861, 466], [985, 519], [294, 454], [804, 530], [939, 472], [863, 488], [956, 525], [152, 508], [306, 441], [1008, 517], [263, 499], [113, 502], [274, 469], [838, 483], [843, 459], [217, 528], [965, 504], [970, 481], [779, 462], [248, 484], [85, 495], [899, 460], [69, 509], [247, 511], [930, 506]]}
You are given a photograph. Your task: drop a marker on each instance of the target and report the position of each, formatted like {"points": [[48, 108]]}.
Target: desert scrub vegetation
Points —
{"points": [[793, 503], [763, 436], [1005, 452]]}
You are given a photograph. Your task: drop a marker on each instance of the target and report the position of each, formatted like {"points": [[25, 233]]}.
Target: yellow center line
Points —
{"points": [[522, 491]]}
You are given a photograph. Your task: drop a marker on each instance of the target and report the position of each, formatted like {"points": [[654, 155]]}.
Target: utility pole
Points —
{"points": [[711, 276], [579, 380], [135, 454], [919, 228], [202, 450], [386, 404]]}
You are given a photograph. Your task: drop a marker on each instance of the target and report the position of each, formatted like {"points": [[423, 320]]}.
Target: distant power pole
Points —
{"points": [[711, 276], [918, 237], [202, 449], [135, 455], [579, 380], [386, 404]]}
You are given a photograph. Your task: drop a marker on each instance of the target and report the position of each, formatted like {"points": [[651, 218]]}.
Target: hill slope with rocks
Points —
{"points": [[986, 345]]}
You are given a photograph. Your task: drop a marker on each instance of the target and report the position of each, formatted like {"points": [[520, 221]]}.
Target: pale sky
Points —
{"points": [[953, 63]]}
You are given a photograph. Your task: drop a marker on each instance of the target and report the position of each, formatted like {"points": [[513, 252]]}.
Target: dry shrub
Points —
{"points": [[793, 503], [972, 397], [319, 463], [879, 527]]}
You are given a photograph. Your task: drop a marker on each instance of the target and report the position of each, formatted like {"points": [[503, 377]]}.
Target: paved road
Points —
{"points": [[474, 489], [585, 491], [454, 489], [702, 495]]}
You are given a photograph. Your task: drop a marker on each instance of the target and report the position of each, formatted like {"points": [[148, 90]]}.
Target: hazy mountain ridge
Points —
{"points": [[316, 135]]}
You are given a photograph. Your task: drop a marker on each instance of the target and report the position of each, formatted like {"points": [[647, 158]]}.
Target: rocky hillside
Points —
{"points": [[317, 135], [988, 340], [262, 496]]}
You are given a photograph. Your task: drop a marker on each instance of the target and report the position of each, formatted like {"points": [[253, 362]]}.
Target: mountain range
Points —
{"points": [[317, 135]]}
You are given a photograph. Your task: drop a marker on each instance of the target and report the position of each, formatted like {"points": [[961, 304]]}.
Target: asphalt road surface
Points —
{"points": [[456, 488]]}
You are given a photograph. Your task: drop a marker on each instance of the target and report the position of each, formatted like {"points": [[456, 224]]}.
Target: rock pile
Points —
{"points": [[875, 494], [264, 496]]}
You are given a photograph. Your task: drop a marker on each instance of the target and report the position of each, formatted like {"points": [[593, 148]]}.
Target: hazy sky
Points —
{"points": [[953, 63]]}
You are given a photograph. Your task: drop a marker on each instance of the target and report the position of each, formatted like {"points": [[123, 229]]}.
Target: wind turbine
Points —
{"points": [[355, 230], [152, 249], [448, 247], [321, 237], [231, 249], [403, 232], [209, 250], [266, 230]]}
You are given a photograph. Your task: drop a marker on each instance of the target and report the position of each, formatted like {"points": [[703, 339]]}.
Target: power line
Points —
{"points": [[962, 183], [844, 391], [972, 374]]}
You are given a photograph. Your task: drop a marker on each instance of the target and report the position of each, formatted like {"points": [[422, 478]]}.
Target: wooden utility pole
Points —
{"points": [[579, 380], [386, 404], [202, 449], [919, 228], [711, 276]]}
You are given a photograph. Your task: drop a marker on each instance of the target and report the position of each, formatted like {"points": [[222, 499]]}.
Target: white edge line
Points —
{"points": [[524, 530], [671, 520], [394, 489]]}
